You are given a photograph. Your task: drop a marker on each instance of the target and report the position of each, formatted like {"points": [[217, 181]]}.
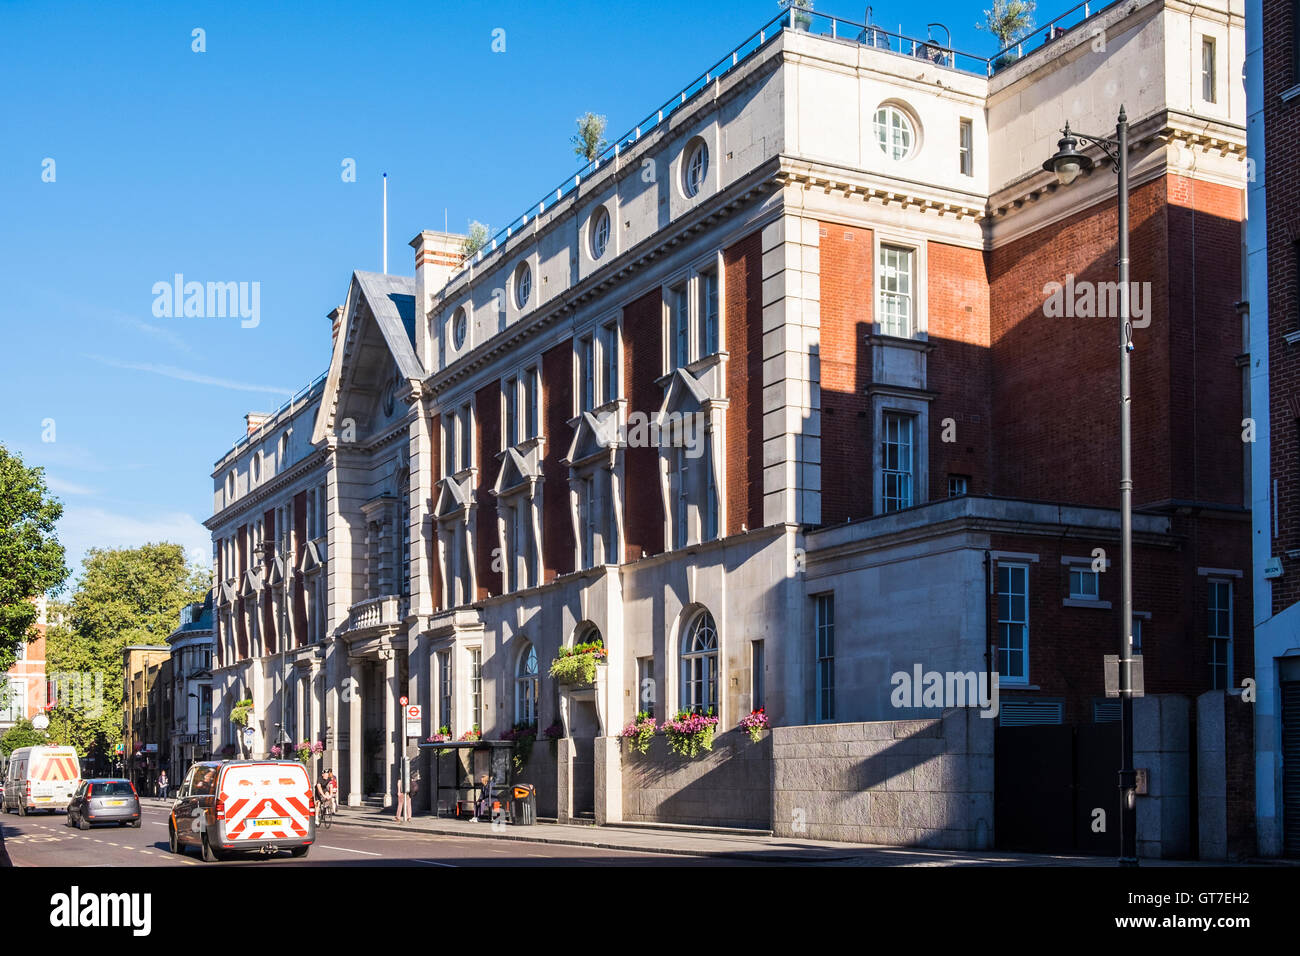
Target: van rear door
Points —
{"points": [[55, 775], [266, 803]]}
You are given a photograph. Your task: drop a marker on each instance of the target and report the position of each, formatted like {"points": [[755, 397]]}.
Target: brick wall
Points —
{"points": [[1066, 644], [557, 409], [743, 309], [1282, 162], [487, 411], [845, 360], [642, 364], [959, 369]]}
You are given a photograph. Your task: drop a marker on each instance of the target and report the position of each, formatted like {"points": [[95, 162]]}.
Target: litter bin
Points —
{"points": [[523, 804]]}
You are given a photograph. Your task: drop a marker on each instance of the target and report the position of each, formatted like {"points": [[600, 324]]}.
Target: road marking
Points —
{"points": [[347, 849], [437, 863], [157, 824]]}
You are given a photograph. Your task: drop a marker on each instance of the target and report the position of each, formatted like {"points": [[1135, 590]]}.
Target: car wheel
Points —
{"points": [[67, 821], [83, 823], [209, 854], [135, 824], [173, 841], [299, 852]]}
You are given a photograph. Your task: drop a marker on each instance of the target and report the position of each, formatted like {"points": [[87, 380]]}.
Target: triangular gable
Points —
{"points": [[391, 301], [684, 394], [252, 583], [276, 573], [518, 469], [311, 559], [452, 497], [593, 436], [228, 594]]}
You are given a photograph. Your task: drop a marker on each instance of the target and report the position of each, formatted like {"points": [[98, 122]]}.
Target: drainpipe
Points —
{"points": [[988, 630]]}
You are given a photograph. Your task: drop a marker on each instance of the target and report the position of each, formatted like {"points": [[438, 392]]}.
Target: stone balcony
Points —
{"points": [[375, 616]]}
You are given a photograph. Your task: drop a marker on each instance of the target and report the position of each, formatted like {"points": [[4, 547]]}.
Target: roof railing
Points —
{"points": [[1051, 30], [805, 21], [298, 396]]}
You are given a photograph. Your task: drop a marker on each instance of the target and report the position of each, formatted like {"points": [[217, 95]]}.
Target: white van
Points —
{"points": [[237, 805], [41, 778]]}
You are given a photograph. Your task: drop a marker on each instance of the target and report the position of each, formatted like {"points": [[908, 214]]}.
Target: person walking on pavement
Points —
{"points": [[162, 785], [403, 794]]}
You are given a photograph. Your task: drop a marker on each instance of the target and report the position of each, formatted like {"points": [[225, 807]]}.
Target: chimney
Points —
{"points": [[336, 320], [438, 257], [256, 420]]}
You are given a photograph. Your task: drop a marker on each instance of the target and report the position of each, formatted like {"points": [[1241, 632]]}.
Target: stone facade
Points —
{"points": [[854, 331]]}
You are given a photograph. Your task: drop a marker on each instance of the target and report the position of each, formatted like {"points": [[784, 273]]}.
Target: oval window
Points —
{"points": [[459, 328], [599, 232], [697, 167], [895, 132], [523, 284]]}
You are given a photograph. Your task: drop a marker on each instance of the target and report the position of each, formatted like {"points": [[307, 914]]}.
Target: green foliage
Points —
{"points": [[241, 712], [1009, 20], [640, 732], [21, 734], [574, 668], [31, 558], [589, 140], [478, 237], [124, 596]]}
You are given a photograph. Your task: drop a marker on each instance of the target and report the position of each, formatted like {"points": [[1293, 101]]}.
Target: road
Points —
{"points": [[46, 840]]}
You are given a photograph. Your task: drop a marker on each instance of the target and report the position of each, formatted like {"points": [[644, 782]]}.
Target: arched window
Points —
{"points": [[526, 686], [697, 165], [700, 665]]}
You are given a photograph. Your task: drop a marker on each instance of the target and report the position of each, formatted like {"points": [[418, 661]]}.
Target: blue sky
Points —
{"points": [[226, 166]]}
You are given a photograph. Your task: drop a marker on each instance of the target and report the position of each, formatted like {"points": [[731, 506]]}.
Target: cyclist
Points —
{"points": [[324, 793]]}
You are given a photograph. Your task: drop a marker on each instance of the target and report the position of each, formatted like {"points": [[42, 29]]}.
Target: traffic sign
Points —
{"points": [[402, 701], [412, 712], [413, 721]]}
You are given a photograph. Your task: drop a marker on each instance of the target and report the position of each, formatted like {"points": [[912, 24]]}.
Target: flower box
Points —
{"points": [[689, 734], [576, 665]]}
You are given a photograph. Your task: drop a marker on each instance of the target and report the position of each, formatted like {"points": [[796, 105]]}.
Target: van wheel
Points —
{"points": [[299, 852], [173, 842], [209, 855], [22, 809]]}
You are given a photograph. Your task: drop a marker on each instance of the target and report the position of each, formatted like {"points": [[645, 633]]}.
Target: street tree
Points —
{"points": [[31, 558], [124, 596]]}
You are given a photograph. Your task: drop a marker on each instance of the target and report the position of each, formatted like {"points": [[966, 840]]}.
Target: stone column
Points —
{"points": [[391, 693], [564, 780], [609, 781], [354, 735]]}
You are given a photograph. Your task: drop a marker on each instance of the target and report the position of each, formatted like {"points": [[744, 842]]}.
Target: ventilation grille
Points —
{"points": [[1105, 710], [1026, 713]]}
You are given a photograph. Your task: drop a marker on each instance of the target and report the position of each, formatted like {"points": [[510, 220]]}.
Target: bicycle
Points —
{"points": [[325, 813]]}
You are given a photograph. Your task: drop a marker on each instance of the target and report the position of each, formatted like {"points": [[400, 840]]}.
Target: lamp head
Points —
{"points": [[1067, 163]]}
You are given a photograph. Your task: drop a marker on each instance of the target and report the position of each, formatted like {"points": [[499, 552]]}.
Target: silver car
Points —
{"points": [[104, 800]]}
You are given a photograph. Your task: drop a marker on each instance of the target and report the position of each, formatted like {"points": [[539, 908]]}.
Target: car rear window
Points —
{"points": [[113, 788]]}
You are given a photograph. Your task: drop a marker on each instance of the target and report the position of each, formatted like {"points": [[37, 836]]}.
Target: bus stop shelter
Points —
{"points": [[458, 767]]}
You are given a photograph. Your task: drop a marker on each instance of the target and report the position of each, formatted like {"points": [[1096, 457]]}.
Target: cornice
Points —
{"points": [[267, 490]]}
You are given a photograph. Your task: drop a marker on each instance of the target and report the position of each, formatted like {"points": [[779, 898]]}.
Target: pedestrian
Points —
{"points": [[162, 784], [403, 794]]}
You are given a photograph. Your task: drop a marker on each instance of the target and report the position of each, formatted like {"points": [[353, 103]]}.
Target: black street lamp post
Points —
{"points": [[1067, 164]]}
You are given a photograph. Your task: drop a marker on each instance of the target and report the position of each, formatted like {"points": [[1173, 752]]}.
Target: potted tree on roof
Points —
{"points": [[589, 140], [798, 16], [1009, 21]]}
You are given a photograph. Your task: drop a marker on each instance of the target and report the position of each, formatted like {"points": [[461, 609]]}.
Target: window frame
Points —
{"points": [[527, 683], [965, 486], [1082, 595], [600, 217], [695, 175], [521, 282], [910, 472], [1216, 639], [475, 687], [700, 668], [824, 657], [1022, 567], [1209, 69], [887, 143], [459, 328], [966, 147], [690, 334]]}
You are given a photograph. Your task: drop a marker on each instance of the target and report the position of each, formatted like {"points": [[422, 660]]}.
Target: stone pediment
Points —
{"points": [[251, 583], [455, 494], [311, 558], [520, 466], [595, 433]]}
